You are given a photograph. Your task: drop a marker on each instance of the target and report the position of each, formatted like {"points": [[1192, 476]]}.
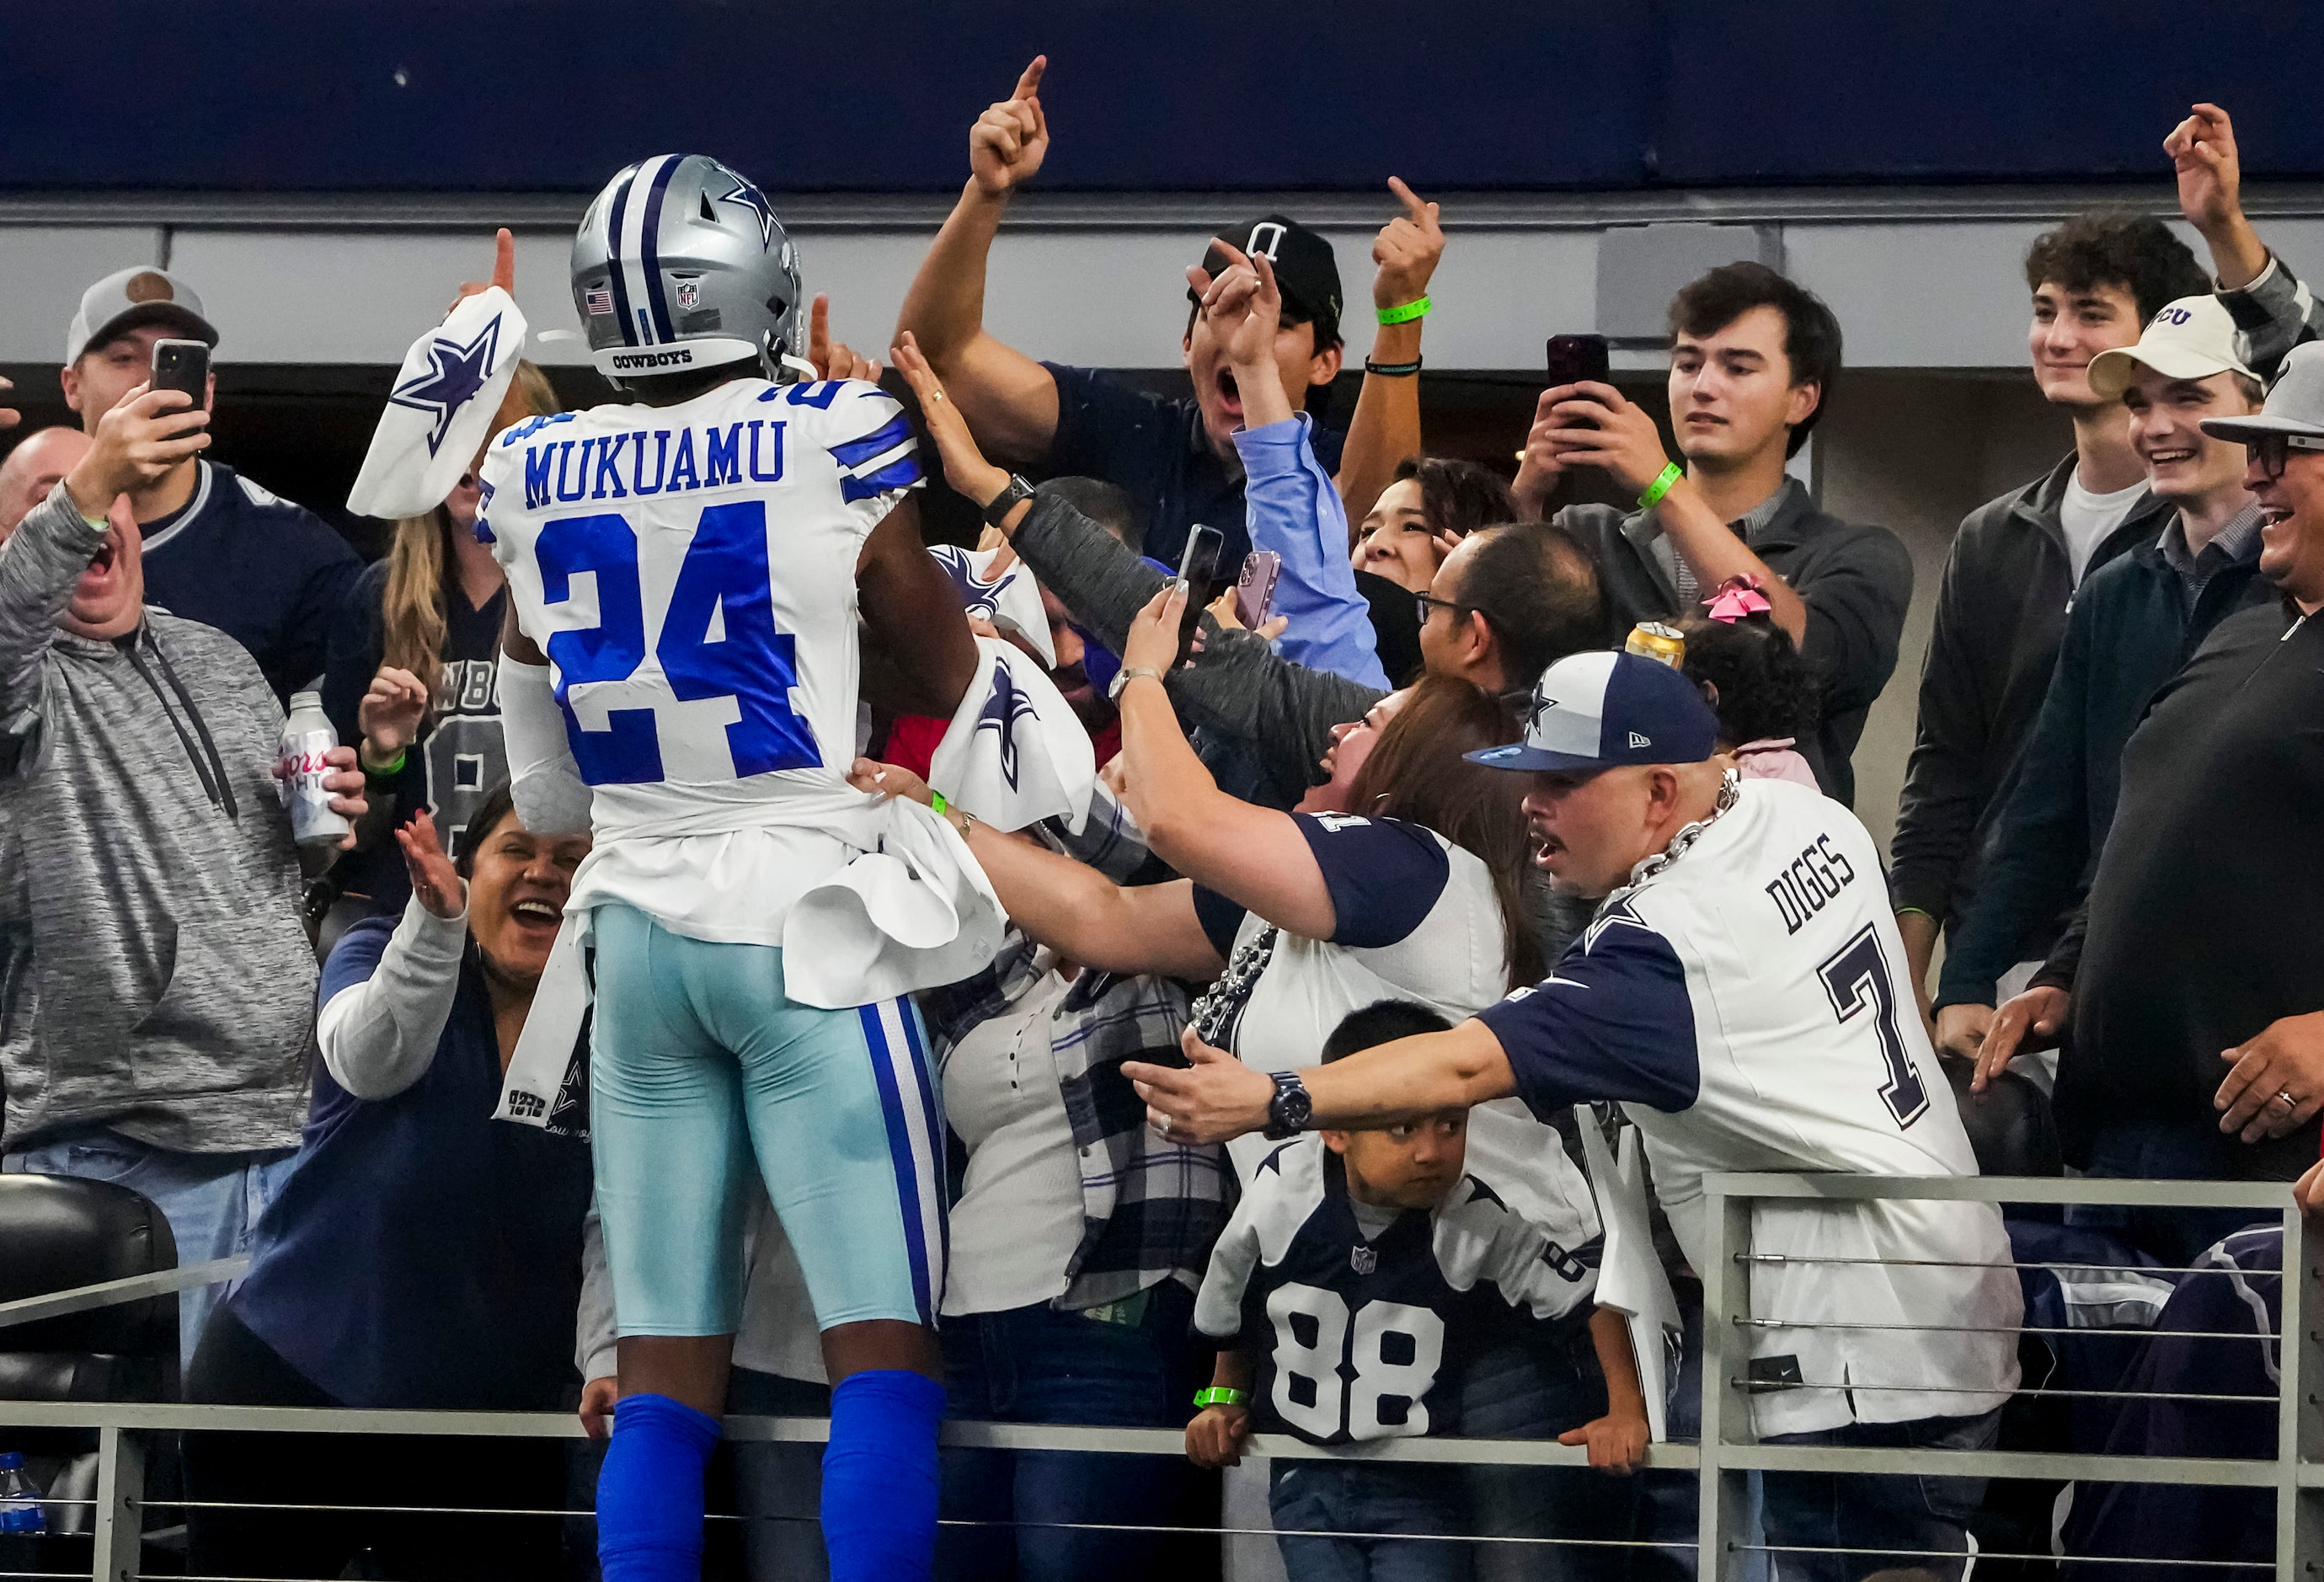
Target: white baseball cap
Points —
{"points": [[129, 299], [2194, 338], [2295, 406]]}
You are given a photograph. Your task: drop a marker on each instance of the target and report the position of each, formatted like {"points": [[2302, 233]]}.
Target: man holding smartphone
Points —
{"points": [[1752, 356], [219, 548]]}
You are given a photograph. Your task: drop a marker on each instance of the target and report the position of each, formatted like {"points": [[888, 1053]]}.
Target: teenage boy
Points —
{"points": [[2001, 608], [219, 548], [1752, 359], [1177, 458], [1351, 1286], [2133, 624]]}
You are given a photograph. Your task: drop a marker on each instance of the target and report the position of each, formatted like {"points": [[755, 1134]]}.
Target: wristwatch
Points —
{"points": [[1127, 674], [1003, 503], [1289, 1110]]}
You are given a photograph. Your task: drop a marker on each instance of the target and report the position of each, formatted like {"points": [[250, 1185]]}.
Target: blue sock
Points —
{"points": [[879, 1478], [650, 1494]]}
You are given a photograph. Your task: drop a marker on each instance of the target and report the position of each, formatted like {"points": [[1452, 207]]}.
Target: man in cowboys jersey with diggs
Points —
{"points": [[1738, 992], [687, 572]]}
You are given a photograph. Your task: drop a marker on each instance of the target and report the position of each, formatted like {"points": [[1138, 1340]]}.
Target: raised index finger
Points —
{"points": [[1029, 82], [504, 260]]}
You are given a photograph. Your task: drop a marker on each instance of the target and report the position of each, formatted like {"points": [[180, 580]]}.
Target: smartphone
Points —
{"points": [[1255, 588], [184, 366], [1198, 575], [1573, 358]]}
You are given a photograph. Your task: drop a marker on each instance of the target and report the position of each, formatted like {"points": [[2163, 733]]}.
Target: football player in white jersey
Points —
{"points": [[1738, 992], [687, 573]]}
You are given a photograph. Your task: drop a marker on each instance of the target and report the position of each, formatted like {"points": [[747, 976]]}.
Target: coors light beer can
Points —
{"points": [[307, 740]]}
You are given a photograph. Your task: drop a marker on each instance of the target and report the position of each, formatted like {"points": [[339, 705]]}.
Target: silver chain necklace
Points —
{"points": [[1730, 786]]}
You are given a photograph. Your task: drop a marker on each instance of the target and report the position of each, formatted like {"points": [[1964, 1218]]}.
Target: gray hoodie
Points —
{"points": [[153, 975]]}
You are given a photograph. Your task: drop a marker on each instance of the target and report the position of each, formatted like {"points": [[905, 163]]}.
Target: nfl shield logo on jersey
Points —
{"points": [[1362, 1259]]}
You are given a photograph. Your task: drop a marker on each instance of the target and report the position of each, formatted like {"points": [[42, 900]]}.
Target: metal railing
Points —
{"points": [[1722, 1461]]}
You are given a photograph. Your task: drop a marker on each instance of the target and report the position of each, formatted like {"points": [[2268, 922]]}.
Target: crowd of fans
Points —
{"points": [[1298, 858]]}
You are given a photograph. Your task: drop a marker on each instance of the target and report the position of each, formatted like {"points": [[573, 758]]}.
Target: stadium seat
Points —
{"points": [[60, 1231]]}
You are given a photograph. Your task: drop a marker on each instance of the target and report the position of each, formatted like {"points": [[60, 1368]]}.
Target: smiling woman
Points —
{"points": [[419, 1255]]}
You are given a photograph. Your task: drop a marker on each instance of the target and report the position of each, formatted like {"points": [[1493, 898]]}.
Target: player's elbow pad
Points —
{"points": [[550, 796]]}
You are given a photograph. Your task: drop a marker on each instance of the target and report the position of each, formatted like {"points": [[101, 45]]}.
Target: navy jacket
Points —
{"points": [[268, 574], [2128, 631]]}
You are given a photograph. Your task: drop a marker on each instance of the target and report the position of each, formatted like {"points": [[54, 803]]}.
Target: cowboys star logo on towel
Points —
{"points": [[1006, 707], [1012, 600], [455, 374], [440, 409]]}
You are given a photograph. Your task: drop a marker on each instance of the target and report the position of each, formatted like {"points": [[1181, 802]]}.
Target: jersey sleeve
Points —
{"points": [[1479, 1241], [868, 435], [1221, 919], [1612, 1021], [1384, 876], [1218, 1305]]}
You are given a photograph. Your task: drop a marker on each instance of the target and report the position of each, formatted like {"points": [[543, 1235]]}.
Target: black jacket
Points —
{"points": [[2001, 611], [1855, 582], [2129, 631], [2202, 919]]}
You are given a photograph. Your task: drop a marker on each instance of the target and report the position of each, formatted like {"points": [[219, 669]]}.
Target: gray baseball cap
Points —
{"points": [[2295, 407], [130, 298]]}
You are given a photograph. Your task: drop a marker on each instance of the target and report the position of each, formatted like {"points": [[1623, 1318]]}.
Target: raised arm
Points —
{"points": [[1074, 909], [2267, 301], [1386, 427], [379, 1034], [1253, 855], [913, 614], [1009, 398]]}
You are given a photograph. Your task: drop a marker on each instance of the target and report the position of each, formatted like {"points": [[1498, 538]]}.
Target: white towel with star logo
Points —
{"points": [[440, 409], [1015, 753], [1010, 599]]}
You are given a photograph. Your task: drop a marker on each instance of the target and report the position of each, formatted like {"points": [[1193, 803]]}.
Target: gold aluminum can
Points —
{"points": [[1653, 639]]}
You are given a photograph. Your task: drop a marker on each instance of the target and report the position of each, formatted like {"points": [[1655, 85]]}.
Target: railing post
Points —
{"points": [[1726, 1410], [2300, 1424], [120, 1504]]}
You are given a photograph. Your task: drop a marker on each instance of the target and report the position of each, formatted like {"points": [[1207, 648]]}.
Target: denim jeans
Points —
{"points": [[211, 1200], [1536, 1386], [1355, 1497], [1037, 1364], [1880, 1514]]}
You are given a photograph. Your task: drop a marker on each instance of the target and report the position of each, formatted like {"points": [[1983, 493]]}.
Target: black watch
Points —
{"points": [[1003, 503], [1290, 1110]]}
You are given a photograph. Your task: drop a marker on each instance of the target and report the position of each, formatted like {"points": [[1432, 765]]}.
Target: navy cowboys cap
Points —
{"points": [[1306, 270], [1603, 709]]}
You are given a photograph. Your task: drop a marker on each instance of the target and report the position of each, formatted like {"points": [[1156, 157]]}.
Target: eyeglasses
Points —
{"points": [[1423, 602], [2271, 451]]}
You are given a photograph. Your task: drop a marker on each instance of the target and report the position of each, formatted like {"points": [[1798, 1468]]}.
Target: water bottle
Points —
{"points": [[20, 1498], [306, 738]]}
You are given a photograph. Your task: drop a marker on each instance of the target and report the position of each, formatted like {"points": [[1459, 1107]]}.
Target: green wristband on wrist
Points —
{"points": [[1671, 472], [1405, 313], [1220, 1395], [388, 770], [936, 802]]}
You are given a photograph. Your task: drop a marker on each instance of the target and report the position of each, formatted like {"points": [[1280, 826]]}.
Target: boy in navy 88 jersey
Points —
{"points": [[1359, 1272]]}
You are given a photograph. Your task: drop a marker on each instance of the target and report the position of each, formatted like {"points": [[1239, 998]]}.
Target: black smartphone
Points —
{"points": [[1198, 574], [1573, 358], [183, 365]]}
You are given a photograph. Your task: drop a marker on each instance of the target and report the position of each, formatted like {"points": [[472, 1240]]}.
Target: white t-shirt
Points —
{"points": [[689, 571], [2088, 518], [1418, 920], [1018, 1220], [1744, 1005]]}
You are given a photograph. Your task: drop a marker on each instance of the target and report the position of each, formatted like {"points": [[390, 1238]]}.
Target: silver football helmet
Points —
{"points": [[680, 264]]}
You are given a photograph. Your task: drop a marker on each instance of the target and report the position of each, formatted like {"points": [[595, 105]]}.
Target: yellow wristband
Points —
{"points": [[1405, 313]]}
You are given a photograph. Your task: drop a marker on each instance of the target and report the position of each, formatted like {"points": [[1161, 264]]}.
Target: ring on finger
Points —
{"points": [[1163, 1126], [2284, 1097]]}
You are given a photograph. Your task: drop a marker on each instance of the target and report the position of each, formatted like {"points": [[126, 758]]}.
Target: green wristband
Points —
{"points": [[1405, 313], [936, 803], [1671, 472], [387, 771], [1220, 1395]]}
